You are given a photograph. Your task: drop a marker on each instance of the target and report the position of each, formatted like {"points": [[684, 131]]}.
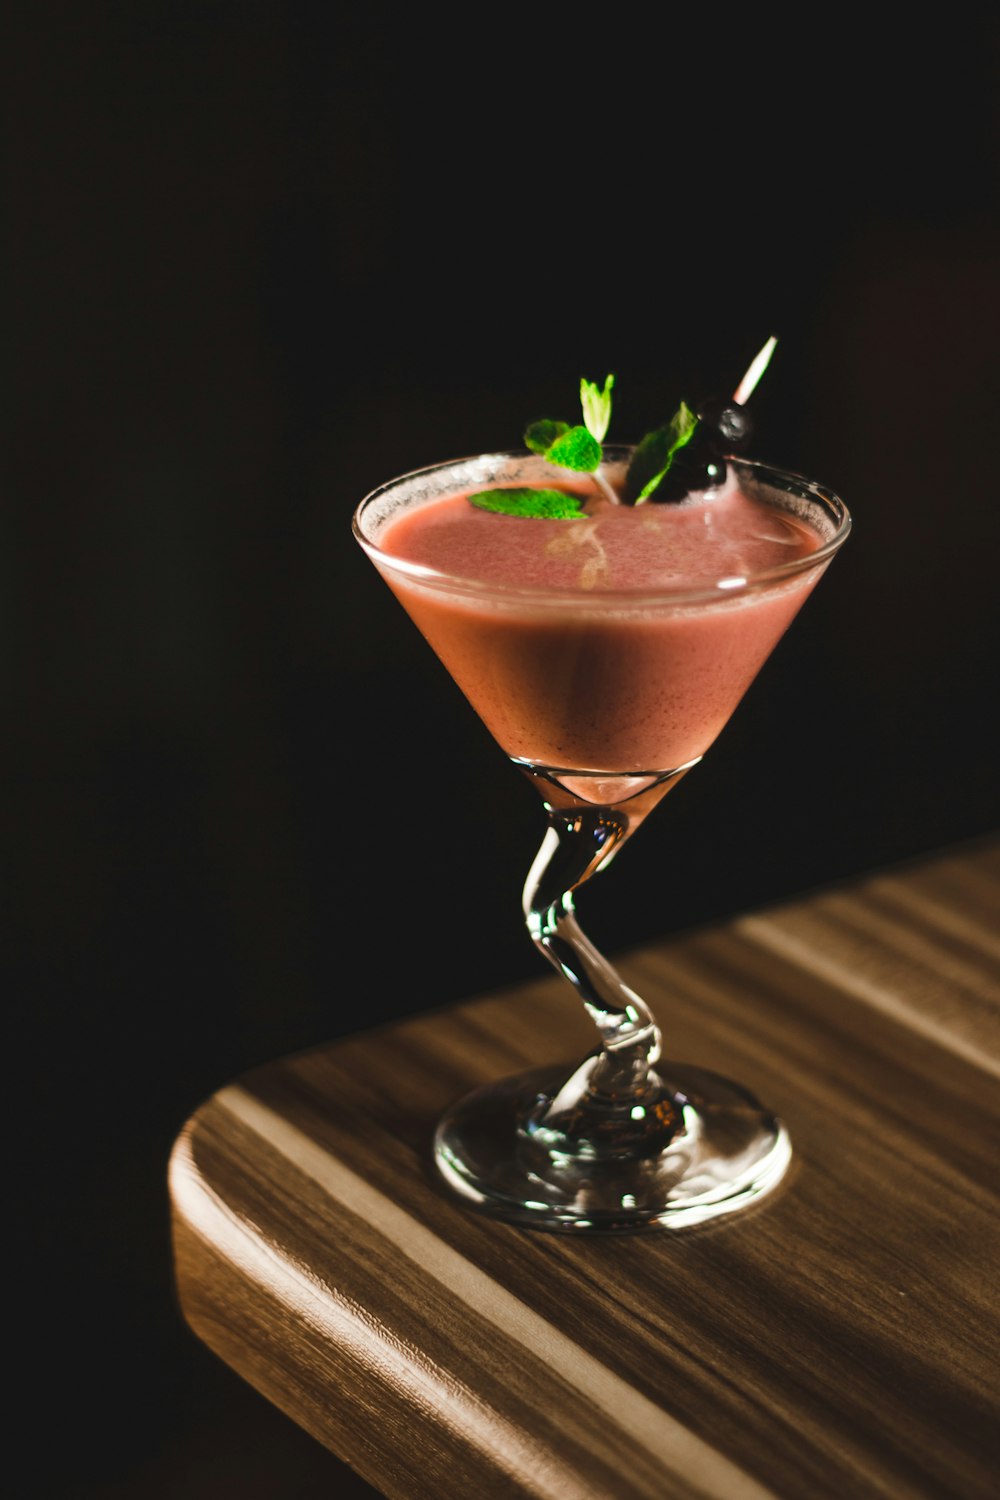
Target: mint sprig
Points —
{"points": [[575, 448]]}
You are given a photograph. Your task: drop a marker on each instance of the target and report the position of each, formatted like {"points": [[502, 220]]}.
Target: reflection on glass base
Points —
{"points": [[543, 1149]]}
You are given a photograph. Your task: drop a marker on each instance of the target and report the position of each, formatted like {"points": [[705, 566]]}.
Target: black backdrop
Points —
{"points": [[261, 257]]}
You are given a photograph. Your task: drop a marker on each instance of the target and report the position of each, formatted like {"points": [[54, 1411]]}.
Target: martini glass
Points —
{"points": [[604, 700]]}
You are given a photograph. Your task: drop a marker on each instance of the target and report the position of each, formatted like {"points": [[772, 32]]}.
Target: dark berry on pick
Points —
{"points": [[728, 422]]}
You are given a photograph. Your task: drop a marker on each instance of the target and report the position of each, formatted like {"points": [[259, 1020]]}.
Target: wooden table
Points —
{"points": [[842, 1340]]}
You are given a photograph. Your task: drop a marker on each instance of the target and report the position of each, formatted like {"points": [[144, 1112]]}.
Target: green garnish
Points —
{"points": [[550, 505], [576, 448], [654, 457], [540, 436], [721, 427], [596, 407]]}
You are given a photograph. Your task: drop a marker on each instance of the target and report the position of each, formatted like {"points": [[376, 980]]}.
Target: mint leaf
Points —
{"points": [[550, 505], [682, 425], [654, 457], [596, 406], [577, 449], [649, 460], [540, 436]]}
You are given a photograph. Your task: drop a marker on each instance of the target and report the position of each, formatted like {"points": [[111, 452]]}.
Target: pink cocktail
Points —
{"points": [[604, 654]]}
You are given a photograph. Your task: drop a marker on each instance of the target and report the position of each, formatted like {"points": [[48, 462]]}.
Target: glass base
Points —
{"points": [[543, 1149]]}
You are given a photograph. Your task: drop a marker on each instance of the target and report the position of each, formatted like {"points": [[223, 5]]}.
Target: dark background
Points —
{"points": [[263, 256]]}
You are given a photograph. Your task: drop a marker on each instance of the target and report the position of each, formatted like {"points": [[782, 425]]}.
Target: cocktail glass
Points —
{"points": [[622, 1139]]}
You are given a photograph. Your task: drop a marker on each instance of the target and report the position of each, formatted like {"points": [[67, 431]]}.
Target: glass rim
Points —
{"points": [[718, 592]]}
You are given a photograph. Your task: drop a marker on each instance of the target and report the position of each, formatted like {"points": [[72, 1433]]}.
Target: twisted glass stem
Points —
{"points": [[582, 838], [573, 849], [612, 1142]]}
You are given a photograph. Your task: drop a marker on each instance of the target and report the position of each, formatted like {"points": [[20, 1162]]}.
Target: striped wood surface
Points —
{"points": [[842, 1340]]}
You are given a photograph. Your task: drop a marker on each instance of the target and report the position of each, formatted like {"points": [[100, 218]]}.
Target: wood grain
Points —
{"points": [[840, 1340]]}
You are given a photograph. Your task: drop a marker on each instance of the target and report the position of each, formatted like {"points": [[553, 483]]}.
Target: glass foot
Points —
{"points": [[548, 1149]]}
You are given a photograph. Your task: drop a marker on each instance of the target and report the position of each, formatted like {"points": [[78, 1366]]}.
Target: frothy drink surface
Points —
{"points": [[616, 547], [580, 675]]}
